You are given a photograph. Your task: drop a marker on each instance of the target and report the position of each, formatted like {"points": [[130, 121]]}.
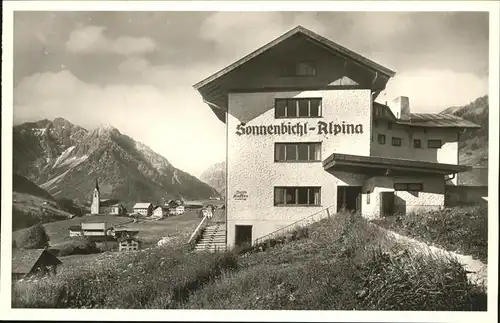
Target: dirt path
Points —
{"points": [[477, 270]]}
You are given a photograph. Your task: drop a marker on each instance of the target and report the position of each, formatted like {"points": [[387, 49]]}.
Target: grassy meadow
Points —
{"points": [[342, 263], [460, 229]]}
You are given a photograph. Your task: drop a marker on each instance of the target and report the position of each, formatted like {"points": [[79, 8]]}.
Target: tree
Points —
{"points": [[34, 237]]}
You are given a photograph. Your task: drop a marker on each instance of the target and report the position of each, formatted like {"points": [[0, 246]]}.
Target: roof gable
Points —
{"points": [[320, 40], [23, 260]]}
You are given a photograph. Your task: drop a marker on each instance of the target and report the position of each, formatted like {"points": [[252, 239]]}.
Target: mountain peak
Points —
{"points": [[106, 129], [61, 121]]}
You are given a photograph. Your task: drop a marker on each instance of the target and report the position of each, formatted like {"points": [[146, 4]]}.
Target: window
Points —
{"points": [[381, 139], [297, 108], [434, 143], [308, 151], [299, 69], [412, 187], [389, 125], [297, 196], [368, 197], [397, 141], [417, 143]]}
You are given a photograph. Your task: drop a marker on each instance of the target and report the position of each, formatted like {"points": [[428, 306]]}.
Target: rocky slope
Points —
{"points": [[65, 160], [215, 176]]}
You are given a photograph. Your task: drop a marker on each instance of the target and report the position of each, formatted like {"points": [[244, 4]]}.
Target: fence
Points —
{"points": [[326, 213]]}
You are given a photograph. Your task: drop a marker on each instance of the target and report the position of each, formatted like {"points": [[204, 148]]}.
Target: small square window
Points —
{"points": [[417, 143], [397, 141], [381, 139], [434, 144]]}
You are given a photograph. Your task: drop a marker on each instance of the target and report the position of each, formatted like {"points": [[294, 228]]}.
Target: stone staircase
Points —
{"points": [[213, 238]]}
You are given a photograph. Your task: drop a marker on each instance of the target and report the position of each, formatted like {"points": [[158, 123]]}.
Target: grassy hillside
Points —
{"points": [[343, 263], [473, 145], [461, 229], [149, 231], [32, 204], [28, 210]]}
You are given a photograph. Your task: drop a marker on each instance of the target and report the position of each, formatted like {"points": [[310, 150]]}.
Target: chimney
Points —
{"points": [[400, 107]]}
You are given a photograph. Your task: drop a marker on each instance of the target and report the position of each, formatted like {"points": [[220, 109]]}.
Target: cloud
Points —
{"points": [[239, 33], [176, 124], [133, 65], [434, 90], [92, 40]]}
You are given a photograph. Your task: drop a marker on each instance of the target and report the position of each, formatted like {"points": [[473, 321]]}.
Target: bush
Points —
{"points": [[34, 237], [79, 246]]}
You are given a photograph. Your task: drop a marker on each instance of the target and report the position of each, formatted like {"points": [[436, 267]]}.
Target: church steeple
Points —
{"points": [[96, 196]]}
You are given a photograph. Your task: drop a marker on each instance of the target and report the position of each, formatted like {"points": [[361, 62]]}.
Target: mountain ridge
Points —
{"points": [[65, 159]]}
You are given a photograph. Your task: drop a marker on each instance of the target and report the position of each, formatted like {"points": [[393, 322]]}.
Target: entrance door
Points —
{"points": [[349, 198], [386, 203], [243, 235]]}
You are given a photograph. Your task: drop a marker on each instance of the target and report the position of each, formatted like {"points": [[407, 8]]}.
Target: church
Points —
{"points": [[105, 206]]}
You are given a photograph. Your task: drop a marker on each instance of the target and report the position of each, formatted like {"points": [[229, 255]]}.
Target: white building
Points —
{"points": [[304, 134], [94, 229], [160, 212], [144, 209], [177, 210]]}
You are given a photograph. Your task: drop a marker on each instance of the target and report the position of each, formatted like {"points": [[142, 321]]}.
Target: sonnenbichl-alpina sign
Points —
{"points": [[300, 129]]}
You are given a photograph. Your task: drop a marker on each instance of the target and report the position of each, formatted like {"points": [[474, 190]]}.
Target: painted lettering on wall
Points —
{"points": [[301, 129], [240, 195]]}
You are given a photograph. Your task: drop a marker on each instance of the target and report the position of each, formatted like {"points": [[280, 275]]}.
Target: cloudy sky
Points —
{"points": [[135, 70]]}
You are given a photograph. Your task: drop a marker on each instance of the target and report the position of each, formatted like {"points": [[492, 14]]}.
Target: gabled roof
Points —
{"points": [[108, 202], [142, 205], [430, 120], [23, 260], [342, 51]]}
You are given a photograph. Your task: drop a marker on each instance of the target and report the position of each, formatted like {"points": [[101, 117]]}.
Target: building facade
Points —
{"points": [[144, 209], [128, 244], [304, 133], [177, 210], [160, 212], [94, 229]]}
